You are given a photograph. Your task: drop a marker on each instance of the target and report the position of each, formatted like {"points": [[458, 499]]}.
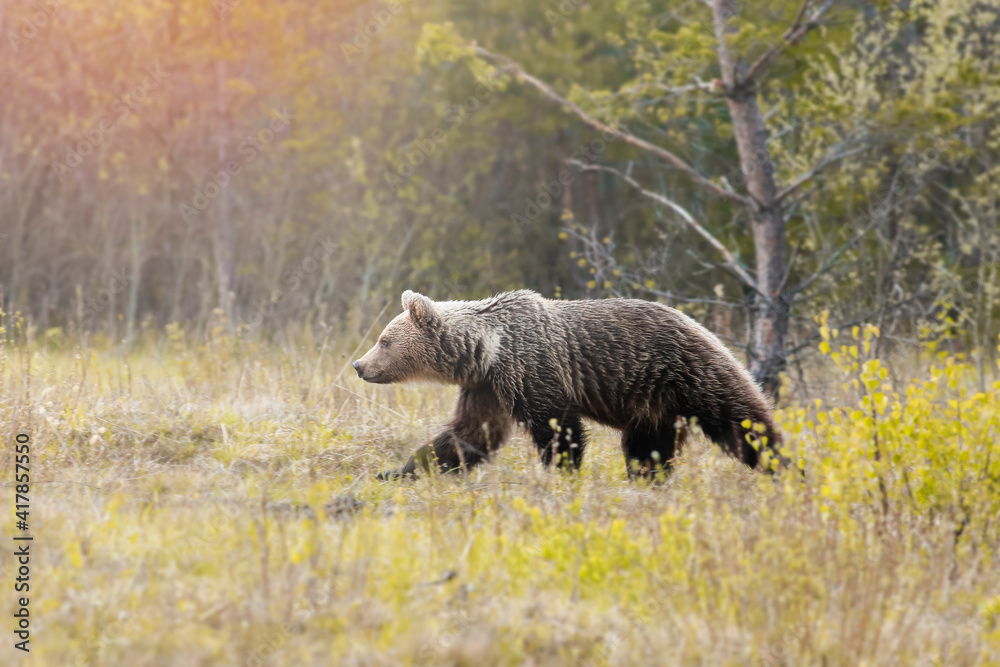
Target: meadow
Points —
{"points": [[204, 205], [213, 501]]}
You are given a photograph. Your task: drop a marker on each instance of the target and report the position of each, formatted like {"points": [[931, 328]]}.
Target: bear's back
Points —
{"points": [[622, 358]]}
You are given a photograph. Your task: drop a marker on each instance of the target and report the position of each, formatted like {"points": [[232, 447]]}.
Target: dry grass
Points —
{"points": [[216, 505]]}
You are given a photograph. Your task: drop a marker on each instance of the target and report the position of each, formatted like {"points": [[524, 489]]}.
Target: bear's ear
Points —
{"points": [[421, 308]]}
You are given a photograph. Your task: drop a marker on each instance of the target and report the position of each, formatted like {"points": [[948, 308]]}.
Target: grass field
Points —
{"points": [[214, 503]]}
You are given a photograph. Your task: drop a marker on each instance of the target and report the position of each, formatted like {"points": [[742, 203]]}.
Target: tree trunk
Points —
{"points": [[771, 316]]}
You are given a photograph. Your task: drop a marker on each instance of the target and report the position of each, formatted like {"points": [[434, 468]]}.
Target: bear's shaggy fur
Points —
{"points": [[636, 366]]}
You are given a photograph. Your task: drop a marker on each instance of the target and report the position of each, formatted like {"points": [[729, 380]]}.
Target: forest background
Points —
{"points": [[303, 162]]}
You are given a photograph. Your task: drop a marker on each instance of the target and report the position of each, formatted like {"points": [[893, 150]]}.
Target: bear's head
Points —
{"points": [[415, 345]]}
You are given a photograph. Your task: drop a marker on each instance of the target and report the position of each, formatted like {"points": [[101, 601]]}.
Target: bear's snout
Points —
{"points": [[357, 367]]}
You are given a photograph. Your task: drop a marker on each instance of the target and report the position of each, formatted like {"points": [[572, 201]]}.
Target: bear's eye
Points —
{"points": [[385, 342]]}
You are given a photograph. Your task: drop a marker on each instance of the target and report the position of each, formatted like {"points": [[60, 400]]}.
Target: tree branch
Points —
{"points": [[626, 136], [722, 11], [707, 86], [796, 31], [688, 219], [823, 162]]}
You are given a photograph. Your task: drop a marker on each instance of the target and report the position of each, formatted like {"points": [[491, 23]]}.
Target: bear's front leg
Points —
{"points": [[479, 427], [422, 457]]}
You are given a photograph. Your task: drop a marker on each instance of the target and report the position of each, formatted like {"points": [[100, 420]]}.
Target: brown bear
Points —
{"points": [[640, 367]]}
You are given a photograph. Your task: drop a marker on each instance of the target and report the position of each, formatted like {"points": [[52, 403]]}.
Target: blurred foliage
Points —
{"points": [[405, 159], [189, 520]]}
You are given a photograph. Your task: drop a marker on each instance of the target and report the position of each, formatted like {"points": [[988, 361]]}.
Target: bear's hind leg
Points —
{"points": [[651, 449], [731, 437], [568, 446]]}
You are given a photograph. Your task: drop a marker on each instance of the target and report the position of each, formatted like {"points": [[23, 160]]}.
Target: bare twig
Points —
{"points": [[705, 301], [809, 175], [835, 256], [796, 31], [832, 259], [867, 317]]}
